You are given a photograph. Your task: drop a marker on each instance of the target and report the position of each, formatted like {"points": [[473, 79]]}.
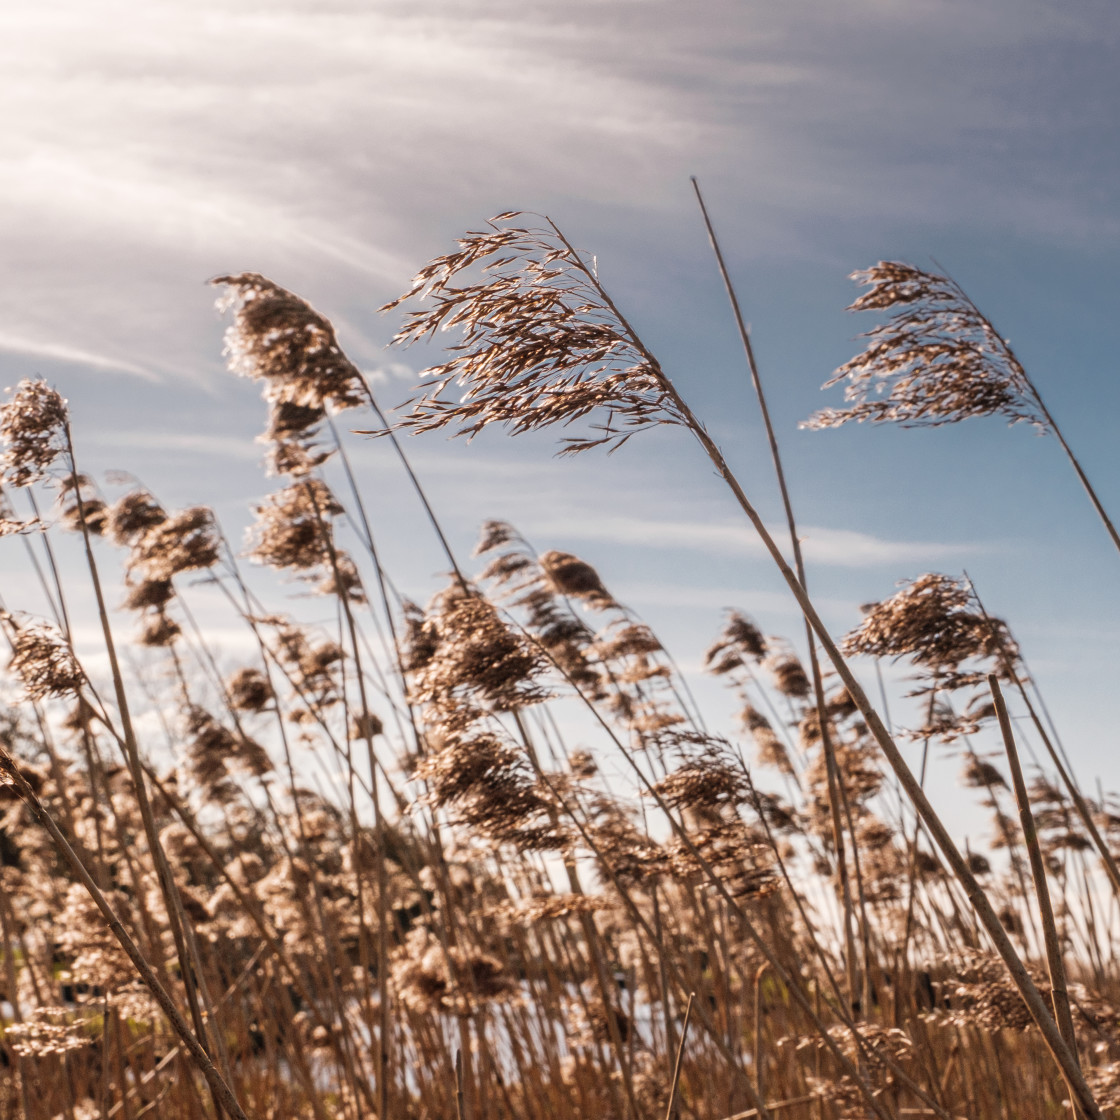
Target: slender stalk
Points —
{"points": [[671, 1108], [1082, 807], [382, 883], [460, 1100], [1059, 994], [388, 430], [833, 775], [172, 902], [760, 1080]]}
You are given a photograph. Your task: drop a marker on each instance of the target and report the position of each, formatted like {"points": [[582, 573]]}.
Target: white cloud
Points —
{"points": [[335, 146], [835, 547]]}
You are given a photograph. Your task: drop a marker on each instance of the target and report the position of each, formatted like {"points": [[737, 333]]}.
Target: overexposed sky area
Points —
{"points": [[336, 146]]}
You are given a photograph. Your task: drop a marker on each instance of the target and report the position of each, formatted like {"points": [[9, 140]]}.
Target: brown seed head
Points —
{"points": [[43, 661], [159, 630], [740, 642], [71, 511], [293, 527], [249, 691], [133, 515], [184, 542], [541, 345], [931, 621], [568, 575], [33, 429], [475, 657], [935, 361], [281, 339], [787, 673]]}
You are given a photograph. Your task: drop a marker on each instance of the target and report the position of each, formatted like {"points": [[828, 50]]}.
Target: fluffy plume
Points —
{"points": [[293, 531], [90, 506], [43, 661], [568, 575], [249, 691], [740, 643], [185, 542], [463, 651], [935, 361], [932, 621], [541, 343], [33, 430], [133, 516], [280, 339]]}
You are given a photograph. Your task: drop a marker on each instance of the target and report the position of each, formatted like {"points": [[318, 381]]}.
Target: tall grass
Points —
{"points": [[369, 872]]}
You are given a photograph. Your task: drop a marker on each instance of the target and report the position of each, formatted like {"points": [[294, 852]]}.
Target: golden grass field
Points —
{"points": [[367, 872]]}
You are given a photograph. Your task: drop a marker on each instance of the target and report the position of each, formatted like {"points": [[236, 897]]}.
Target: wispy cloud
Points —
{"points": [[71, 355], [200, 444], [840, 547], [335, 146]]}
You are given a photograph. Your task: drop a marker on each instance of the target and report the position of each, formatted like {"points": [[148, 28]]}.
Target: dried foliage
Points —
{"points": [[542, 850], [541, 343], [935, 361], [33, 430]]}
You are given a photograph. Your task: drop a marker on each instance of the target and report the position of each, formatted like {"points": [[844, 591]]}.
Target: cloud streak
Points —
{"points": [[835, 547], [331, 145]]}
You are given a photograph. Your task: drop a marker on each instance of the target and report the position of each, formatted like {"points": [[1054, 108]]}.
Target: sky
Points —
{"points": [[337, 146]]}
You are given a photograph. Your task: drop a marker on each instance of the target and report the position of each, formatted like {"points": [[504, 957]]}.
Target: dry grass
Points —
{"points": [[364, 873]]}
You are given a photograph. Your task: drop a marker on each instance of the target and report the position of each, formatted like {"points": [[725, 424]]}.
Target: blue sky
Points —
{"points": [[337, 146]]}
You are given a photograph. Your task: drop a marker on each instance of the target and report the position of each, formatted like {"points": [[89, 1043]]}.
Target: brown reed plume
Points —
{"points": [[32, 428], [938, 359], [935, 622], [541, 345], [281, 340], [42, 660]]}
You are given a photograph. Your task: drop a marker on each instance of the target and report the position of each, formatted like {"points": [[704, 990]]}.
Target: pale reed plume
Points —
{"points": [[280, 339], [541, 344], [935, 361], [938, 359]]}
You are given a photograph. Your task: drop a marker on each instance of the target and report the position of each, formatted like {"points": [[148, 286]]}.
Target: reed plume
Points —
{"points": [[938, 359], [540, 343], [33, 429], [281, 340]]}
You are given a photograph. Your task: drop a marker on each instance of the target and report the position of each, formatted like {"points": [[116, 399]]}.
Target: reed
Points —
{"points": [[368, 872]]}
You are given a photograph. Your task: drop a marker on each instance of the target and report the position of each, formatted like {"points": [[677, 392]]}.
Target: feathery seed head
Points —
{"points": [[931, 621], [33, 430], [282, 340], [91, 507], [541, 342], [568, 575], [935, 361], [133, 515], [739, 642], [463, 651], [43, 660], [185, 542]]}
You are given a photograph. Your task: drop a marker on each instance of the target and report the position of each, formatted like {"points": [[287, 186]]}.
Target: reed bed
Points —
{"points": [[372, 871]]}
